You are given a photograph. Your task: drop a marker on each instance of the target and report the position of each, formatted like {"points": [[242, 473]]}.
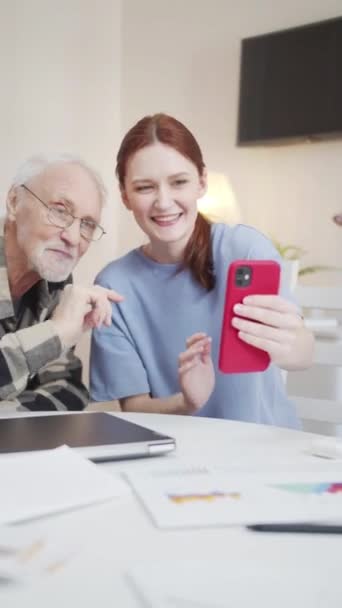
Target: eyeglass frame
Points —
{"points": [[72, 216]]}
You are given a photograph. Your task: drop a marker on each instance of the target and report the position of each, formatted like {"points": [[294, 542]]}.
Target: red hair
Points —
{"points": [[169, 131]]}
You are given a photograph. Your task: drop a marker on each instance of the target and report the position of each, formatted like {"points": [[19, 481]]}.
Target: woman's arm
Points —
{"points": [[175, 404], [196, 379]]}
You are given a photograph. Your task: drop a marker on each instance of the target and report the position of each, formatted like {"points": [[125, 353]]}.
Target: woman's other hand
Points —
{"points": [[196, 372]]}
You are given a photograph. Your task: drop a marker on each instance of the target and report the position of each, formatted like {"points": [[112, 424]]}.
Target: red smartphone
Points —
{"points": [[245, 277]]}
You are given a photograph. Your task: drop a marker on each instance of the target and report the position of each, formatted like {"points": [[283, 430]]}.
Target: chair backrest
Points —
{"points": [[317, 392], [323, 298]]}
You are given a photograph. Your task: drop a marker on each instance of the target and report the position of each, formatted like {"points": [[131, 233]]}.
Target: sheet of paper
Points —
{"points": [[235, 582], [40, 483], [199, 499], [26, 554]]}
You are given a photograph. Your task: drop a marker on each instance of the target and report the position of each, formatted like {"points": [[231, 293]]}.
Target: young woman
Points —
{"points": [[174, 287]]}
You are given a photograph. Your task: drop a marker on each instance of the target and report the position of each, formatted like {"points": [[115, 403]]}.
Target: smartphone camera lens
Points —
{"points": [[243, 276]]}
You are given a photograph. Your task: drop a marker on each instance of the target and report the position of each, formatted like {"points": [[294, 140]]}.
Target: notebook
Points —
{"points": [[96, 435]]}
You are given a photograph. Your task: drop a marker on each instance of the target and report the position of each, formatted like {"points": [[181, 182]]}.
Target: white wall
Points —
{"points": [[60, 82], [60, 91], [182, 57]]}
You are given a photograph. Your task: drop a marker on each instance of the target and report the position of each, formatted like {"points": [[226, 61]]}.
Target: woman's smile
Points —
{"points": [[167, 220]]}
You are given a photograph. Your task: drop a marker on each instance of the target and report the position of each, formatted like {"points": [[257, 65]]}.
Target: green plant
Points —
{"points": [[293, 252], [289, 252]]}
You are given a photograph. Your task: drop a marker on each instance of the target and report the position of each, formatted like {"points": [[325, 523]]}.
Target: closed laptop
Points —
{"points": [[96, 435]]}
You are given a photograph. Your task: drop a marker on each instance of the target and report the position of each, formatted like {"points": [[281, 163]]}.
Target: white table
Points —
{"points": [[120, 534]]}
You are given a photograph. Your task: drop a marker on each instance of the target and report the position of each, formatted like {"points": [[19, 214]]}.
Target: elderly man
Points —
{"points": [[53, 215]]}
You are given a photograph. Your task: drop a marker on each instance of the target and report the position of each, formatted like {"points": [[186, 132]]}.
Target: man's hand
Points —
{"points": [[196, 372], [82, 308]]}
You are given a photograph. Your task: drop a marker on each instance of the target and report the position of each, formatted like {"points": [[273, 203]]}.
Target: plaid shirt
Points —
{"points": [[34, 372]]}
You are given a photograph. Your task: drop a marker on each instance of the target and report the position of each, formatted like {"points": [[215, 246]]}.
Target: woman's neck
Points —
{"points": [[164, 255]]}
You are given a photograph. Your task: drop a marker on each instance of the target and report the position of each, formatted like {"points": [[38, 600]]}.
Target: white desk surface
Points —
{"points": [[120, 534]]}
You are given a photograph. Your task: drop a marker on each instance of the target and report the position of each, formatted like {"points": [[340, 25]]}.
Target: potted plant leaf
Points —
{"points": [[292, 255]]}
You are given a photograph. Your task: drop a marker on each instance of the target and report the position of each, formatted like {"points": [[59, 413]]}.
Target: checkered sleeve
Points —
{"points": [[36, 375]]}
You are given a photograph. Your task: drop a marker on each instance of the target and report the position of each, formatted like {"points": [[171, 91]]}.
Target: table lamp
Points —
{"points": [[219, 203]]}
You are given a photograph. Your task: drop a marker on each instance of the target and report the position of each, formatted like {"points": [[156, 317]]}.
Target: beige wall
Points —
{"points": [[184, 60], [60, 92], [60, 83]]}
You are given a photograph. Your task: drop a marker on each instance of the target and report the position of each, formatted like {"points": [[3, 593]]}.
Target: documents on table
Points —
{"points": [[26, 554], [202, 498], [234, 579], [34, 484]]}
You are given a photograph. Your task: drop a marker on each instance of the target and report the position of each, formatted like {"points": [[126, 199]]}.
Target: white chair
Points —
{"points": [[317, 392]]}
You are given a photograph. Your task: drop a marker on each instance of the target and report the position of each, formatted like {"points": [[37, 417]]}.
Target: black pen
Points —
{"points": [[298, 528]]}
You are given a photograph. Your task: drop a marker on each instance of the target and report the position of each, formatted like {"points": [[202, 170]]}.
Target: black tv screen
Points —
{"points": [[291, 84]]}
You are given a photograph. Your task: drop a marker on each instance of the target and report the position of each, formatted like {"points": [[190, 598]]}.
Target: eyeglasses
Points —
{"points": [[59, 215]]}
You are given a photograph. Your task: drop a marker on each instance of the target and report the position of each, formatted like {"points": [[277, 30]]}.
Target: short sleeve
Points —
{"points": [[116, 369], [245, 242], [262, 248]]}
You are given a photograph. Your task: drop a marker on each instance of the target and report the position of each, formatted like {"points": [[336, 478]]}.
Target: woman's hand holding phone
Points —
{"points": [[196, 372], [258, 325], [271, 323]]}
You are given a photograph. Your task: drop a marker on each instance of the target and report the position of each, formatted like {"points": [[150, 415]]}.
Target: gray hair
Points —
{"points": [[36, 165]]}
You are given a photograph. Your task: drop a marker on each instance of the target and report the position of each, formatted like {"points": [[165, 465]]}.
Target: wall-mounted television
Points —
{"points": [[291, 84]]}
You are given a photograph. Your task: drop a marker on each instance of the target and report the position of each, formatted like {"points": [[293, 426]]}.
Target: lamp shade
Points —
{"points": [[219, 203]]}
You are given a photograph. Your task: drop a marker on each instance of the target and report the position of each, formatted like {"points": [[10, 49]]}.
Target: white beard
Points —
{"points": [[49, 265]]}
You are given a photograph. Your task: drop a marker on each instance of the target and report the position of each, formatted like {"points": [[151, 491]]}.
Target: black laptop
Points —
{"points": [[98, 436]]}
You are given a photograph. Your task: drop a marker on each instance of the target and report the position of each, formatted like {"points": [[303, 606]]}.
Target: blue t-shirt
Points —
{"points": [[165, 305]]}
